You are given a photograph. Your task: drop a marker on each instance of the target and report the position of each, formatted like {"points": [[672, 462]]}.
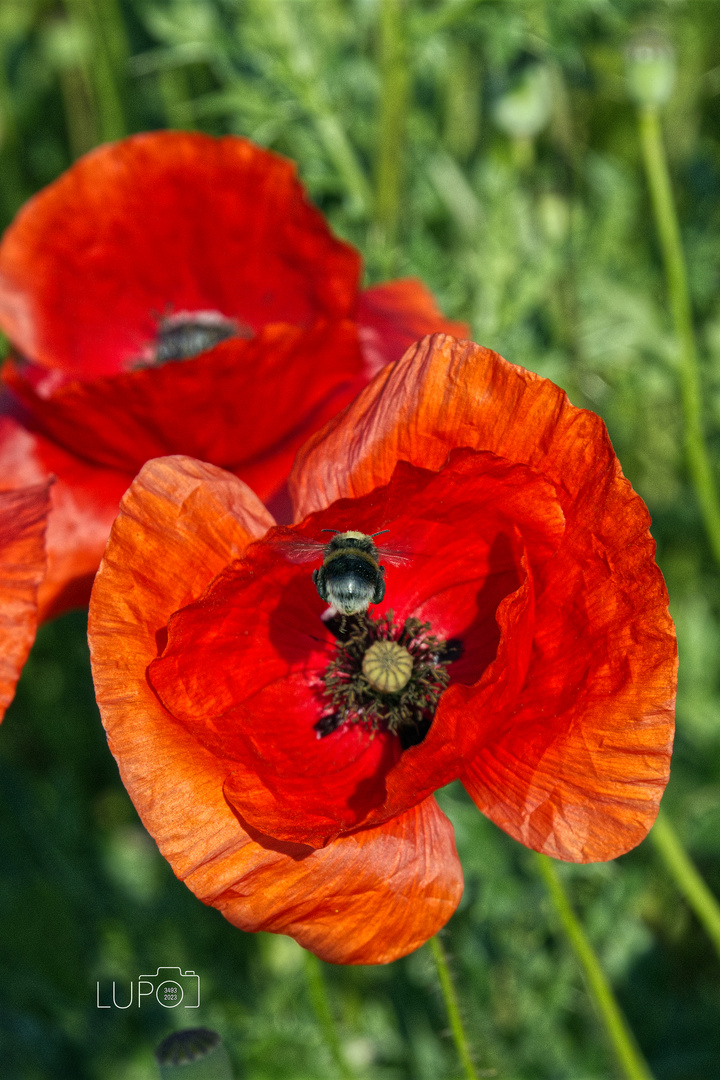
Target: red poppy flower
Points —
{"points": [[23, 518], [175, 293], [286, 773]]}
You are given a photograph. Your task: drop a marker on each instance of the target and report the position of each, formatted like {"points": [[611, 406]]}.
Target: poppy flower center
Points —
{"points": [[185, 334], [385, 676], [387, 666]]}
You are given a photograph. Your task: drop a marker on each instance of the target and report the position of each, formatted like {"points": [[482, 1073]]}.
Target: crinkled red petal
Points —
{"points": [[84, 502], [365, 898], [578, 768], [444, 394], [396, 314], [576, 764], [245, 405], [243, 666], [163, 223], [23, 519]]}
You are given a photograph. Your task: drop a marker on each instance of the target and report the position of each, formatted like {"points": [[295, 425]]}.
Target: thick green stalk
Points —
{"points": [[175, 94], [678, 862], [11, 185], [80, 112], [100, 19], [323, 1012], [453, 1009], [109, 17], [666, 222], [621, 1038], [687, 878], [395, 86]]}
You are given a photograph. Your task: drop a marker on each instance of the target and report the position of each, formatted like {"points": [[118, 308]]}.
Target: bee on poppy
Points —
{"points": [[286, 769], [351, 576]]}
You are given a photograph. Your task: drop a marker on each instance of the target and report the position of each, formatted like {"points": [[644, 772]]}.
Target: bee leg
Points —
{"points": [[380, 587], [318, 577]]}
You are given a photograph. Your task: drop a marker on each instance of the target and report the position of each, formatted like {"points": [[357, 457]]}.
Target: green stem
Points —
{"points": [[307, 82], [666, 221], [393, 118], [323, 1012], [175, 94], [11, 189], [453, 1009], [80, 113], [101, 20], [109, 17], [621, 1038], [687, 878]]}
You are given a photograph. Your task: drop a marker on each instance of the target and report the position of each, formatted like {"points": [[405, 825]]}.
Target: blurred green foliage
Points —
{"points": [[489, 147]]}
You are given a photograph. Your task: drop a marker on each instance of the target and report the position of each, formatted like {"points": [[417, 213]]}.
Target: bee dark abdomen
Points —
{"points": [[351, 582], [348, 564]]}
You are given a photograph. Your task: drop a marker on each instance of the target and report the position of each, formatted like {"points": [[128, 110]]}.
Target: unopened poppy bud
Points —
{"points": [[650, 60], [193, 1054], [524, 109], [387, 666]]}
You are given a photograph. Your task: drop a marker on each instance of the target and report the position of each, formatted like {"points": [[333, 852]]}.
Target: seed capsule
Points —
{"points": [[387, 666]]}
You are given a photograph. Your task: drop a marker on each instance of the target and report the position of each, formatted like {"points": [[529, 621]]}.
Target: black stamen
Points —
{"points": [[454, 649], [351, 698], [182, 340], [327, 724]]}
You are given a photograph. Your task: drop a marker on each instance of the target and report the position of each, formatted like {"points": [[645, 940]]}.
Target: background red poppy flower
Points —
{"points": [[203, 252], [23, 519], [527, 551]]}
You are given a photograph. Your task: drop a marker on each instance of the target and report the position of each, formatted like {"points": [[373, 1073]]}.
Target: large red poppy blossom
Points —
{"points": [[23, 520], [175, 293], [282, 780]]}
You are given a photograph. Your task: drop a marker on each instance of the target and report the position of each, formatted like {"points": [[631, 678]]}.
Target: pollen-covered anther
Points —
{"points": [[387, 666]]}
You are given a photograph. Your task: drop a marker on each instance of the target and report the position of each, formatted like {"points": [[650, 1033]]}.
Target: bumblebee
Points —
{"points": [[351, 577]]}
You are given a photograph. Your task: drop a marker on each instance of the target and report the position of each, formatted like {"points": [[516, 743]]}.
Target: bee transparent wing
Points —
{"points": [[298, 549], [301, 549], [395, 556]]}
